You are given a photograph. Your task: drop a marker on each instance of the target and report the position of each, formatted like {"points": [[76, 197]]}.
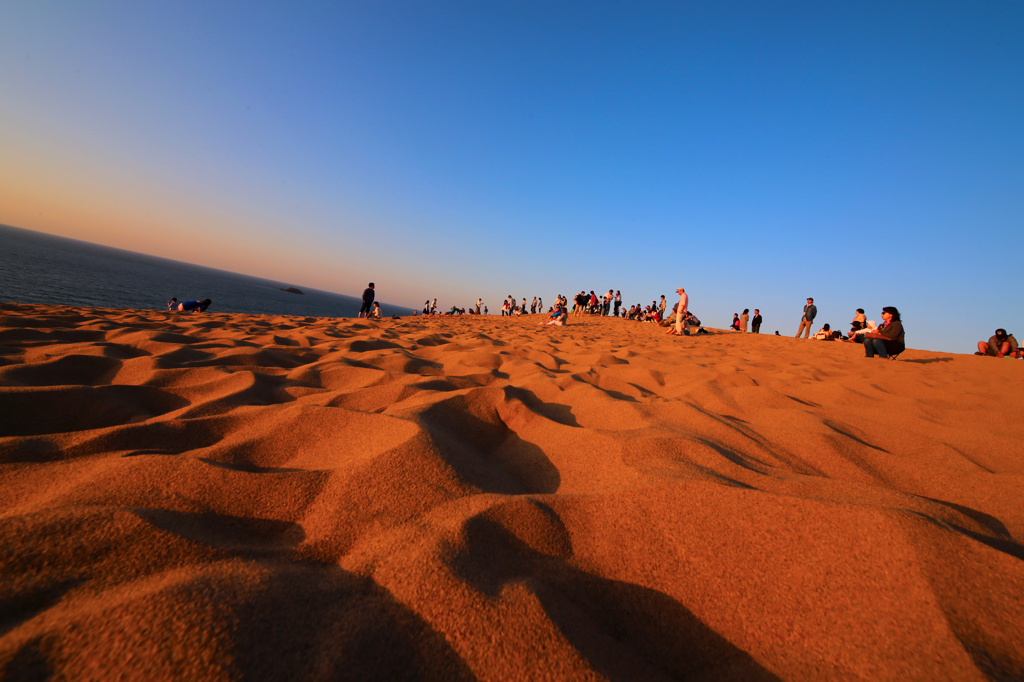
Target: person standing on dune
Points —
{"points": [[810, 312], [367, 301], [682, 308]]}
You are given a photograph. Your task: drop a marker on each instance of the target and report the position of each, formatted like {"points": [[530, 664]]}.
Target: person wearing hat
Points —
{"points": [[682, 326], [889, 339], [1000, 345], [810, 312]]}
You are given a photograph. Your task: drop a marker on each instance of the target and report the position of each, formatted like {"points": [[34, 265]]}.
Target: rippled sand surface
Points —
{"points": [[237, 496]]}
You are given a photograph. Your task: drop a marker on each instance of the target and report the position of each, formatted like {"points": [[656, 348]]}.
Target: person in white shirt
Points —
{"points": [[681, 309]]}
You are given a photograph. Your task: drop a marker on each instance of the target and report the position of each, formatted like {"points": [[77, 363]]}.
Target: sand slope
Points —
{"points": [[227, 496]]}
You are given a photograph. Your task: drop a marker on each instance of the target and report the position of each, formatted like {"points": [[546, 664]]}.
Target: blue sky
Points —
{"points": [[866, 154]]}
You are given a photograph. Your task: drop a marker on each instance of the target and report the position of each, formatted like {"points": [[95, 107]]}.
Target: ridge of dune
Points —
{"points": [[229, 496]]}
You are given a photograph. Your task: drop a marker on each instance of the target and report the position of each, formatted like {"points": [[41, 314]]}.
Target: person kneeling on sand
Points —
{"points": [[194, 306], [558, 318], [889, 339], [1000, 345]]}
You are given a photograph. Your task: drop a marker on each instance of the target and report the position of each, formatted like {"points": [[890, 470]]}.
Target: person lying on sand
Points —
{"points": [[1000, 345], [558, 318], [194, 306]]}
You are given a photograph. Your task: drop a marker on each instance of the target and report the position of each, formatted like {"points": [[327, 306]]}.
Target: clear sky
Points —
{"points": [[866, 154]]}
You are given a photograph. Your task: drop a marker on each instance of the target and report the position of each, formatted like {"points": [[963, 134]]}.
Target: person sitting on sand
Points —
{"points": [[889, 339], [375, 313], [857, 336], [194, 306], [860, 321], [1000, 345], [824, 334], [735, 326], [173, 304], [558, 318]]}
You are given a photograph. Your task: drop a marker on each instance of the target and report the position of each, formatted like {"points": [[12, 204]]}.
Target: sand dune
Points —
{"points": [[227, 496]]}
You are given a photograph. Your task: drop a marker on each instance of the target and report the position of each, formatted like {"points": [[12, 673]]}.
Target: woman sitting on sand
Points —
{"points": [[860, 321], [194, 306], [375, 313], [558, 318], [735, 326], [824, 334], [889, 339]]}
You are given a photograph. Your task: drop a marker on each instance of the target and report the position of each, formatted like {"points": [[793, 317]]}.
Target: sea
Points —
{"points": [[42, 268]]}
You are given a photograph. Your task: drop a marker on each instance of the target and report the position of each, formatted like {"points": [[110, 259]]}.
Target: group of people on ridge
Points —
{"points": [[886, 340]]}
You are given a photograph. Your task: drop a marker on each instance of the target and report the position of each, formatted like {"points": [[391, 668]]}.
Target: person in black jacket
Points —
{"points": [[755, 322], [889, 339], [367, 302]]}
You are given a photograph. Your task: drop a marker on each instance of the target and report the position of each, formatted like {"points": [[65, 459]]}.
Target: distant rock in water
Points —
{"points": [[293, 290]]}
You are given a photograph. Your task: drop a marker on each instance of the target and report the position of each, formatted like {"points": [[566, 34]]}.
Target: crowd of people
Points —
{"points": [[885, 340]]}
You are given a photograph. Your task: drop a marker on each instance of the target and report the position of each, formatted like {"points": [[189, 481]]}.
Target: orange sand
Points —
{"points": [[223, 496]]}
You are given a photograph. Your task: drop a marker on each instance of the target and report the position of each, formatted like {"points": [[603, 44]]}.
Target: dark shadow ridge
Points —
{"points": [[736, 458], [561, 414], [239, 535], [363, 345], [929, 360], [245, 467], [617, 395], [19, 607], [994, 664], [794, 462], [321, 622], [31, 412], [485, 451], [987, 520], [840, 429], [625, 631], [30, 663], [64, 371]]}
